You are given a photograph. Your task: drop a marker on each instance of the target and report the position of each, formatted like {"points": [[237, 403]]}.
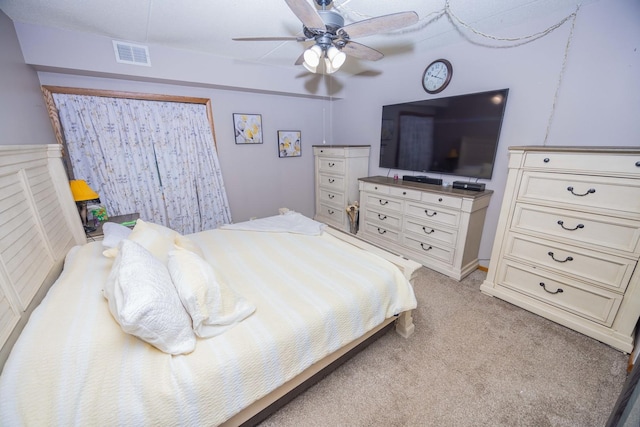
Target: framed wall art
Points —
{"points": [[289, 143], [247, 128]]}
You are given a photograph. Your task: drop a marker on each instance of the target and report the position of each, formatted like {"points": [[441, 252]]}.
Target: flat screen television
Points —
{"points": [[456, 135]]}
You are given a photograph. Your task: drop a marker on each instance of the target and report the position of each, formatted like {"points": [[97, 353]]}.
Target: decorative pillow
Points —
{"points": [[188, 244], [164, 231], [180, 240], [113, 234], [213, 306], [157, 239], [144, 302]]}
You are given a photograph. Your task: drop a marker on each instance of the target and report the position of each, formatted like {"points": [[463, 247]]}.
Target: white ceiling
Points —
{"points": [[209, 25]]}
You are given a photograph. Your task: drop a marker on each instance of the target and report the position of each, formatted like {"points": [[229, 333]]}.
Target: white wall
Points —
{"points": [[598, 101], [604, 49], [258, 182], [23, 114], [48, 48]]}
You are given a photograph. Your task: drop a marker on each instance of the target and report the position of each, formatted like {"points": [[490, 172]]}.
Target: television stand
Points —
{"points": [[423, 179], [439, 227]]}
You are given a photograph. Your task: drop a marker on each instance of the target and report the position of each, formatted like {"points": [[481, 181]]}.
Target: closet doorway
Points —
{"points": [[145, 153]]}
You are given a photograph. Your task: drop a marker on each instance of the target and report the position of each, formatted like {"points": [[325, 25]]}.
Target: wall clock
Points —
{"points": [[437, 76]]}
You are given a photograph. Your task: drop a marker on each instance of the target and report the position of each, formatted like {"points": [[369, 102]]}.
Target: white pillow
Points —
{"points": [[179, 239], [144, 302], [157, 239], [214, 307], [188, 244], [113, 234], [164, 231]]}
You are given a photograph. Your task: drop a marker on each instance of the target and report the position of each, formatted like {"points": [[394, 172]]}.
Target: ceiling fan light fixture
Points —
{"points": [[328, 68], [312, 55], [333, 40], [336, 57], [309, 67]]}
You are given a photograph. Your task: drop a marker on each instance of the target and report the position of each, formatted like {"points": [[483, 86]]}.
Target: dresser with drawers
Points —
{"points": [[439, 227], [568, 239], [337, 169]]}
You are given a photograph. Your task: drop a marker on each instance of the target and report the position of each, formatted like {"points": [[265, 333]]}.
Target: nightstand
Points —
{"points": [[98, 235]]}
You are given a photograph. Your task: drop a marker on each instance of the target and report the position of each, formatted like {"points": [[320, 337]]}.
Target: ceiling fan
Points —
{"points": [[334, 40]]}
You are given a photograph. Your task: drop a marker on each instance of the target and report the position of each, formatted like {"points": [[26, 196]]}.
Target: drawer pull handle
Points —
{"points": [[383, 202], [331, 212], [589, 191], [331, 180], [404, 193], [331, 165], [331, 196], [546, 160], [638, 163], [426, 249], [430, 215], [381, 231], [440, 199], [375, 188], [561, 224], [569, 258], [382, 217], [427, 232], [558, 291]]}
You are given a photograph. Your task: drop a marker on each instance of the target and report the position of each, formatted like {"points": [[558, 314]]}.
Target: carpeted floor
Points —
{"points": [[473, 361]]}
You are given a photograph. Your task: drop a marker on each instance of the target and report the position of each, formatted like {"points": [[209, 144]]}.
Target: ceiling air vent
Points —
{"points": [[127, 53]]}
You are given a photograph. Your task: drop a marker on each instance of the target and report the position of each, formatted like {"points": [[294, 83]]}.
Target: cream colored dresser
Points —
{"points": [[437, 226], [338, 168], [568, 237]]}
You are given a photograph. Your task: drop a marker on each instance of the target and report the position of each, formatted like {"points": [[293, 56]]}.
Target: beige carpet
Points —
{"points": [[473, 361]]}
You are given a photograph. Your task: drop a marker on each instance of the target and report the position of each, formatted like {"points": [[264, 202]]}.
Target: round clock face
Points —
{"points": [[437, 76]]}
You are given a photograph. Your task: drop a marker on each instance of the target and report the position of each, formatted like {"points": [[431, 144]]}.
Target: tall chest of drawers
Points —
{"points": [[337, 169], [436, 226], [568, 239]]}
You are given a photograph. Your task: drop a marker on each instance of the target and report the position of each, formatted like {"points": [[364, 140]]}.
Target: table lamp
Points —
{"points": [[81, 194]]}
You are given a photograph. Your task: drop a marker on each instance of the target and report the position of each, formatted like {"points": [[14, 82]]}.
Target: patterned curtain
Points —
{"points": [[155, 158]]}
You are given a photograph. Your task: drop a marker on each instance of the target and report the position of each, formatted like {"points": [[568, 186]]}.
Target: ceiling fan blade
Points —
{"points": [[307, 14], [268, 39], [361, 51], [380, 24], [300, 59]]}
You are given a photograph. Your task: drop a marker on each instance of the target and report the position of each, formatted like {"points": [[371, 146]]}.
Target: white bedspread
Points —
{"points": [[74, 366], [289, 222]]}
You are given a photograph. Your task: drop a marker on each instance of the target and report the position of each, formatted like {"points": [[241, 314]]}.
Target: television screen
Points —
{"points": [[456, 135]]}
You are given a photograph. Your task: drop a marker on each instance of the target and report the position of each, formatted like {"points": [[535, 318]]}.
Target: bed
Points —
{"points": [[309, 299]]}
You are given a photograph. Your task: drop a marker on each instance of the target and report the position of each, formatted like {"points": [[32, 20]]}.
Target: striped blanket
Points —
{"points": [[73, 365]]}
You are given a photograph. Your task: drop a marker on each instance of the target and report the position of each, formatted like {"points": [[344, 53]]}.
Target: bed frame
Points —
{"points": [[40, 224]]}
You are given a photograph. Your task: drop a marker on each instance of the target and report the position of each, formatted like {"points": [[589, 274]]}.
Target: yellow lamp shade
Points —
{"points": [[81, 191]]}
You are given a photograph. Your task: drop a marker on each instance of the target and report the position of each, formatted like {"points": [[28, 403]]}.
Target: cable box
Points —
{"points": [[423, 179], [471, 186]]}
